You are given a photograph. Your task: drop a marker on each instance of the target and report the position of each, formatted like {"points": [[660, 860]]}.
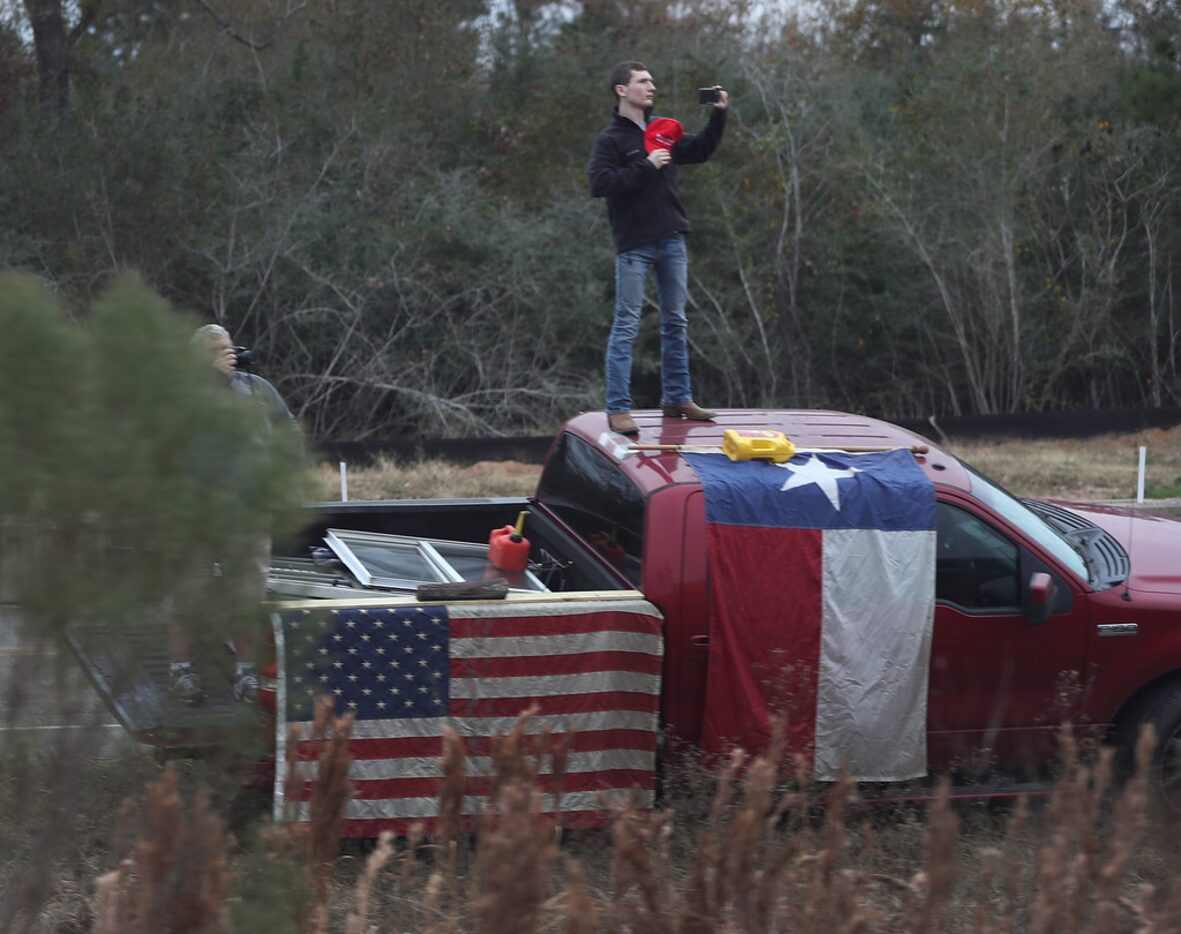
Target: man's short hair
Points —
{"points": [[208, 332], [622, 74]]}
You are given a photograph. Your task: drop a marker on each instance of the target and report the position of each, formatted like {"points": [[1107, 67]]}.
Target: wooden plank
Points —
{"points": [[392, 600], [464, 590]]}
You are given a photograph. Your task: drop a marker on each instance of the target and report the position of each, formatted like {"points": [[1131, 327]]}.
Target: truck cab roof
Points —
{"points": [[805, 428]]}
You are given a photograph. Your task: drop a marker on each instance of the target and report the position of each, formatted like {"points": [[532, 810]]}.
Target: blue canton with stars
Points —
{"points": [[824, 490], [378, 663]]}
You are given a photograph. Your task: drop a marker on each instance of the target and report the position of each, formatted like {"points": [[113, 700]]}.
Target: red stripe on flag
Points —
{"points": [[555, 665], [565, 703], [554, 625], [764, 646]]}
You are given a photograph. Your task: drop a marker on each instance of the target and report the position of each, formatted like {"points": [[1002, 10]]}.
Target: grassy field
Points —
{"points": [[1100, 468], [108, 845], [1087, 469]]}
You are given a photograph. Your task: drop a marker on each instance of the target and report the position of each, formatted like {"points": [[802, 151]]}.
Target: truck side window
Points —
{"points": [[975, 566], [586, 489]]}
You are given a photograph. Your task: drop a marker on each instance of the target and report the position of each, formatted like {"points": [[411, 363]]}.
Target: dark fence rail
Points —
{"points": [[532, 449]]}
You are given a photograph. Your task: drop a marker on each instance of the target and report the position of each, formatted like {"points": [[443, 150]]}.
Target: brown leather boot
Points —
{"points": [[690, 410], [623, 423]]}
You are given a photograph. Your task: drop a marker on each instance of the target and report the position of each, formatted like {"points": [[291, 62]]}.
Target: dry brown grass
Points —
{"points": [[1100, 468], [427, 479], [769, 856]]}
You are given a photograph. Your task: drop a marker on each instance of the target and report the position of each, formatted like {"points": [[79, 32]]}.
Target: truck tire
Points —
{"points": [[1162, 711]]}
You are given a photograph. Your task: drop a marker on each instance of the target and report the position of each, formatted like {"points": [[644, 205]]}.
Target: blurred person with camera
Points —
{"points": [[214, 463], [235, 363], [634, 166]]}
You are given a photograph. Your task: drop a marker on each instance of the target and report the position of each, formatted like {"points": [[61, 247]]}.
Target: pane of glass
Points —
{"points": [[595, 499], [975, 566], [384, 560], [469, 567], [471, 563], [1016, 512], [397, 561]]}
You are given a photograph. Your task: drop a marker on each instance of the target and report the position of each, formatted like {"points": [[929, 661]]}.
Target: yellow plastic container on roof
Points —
{"points": [[756, 445]]}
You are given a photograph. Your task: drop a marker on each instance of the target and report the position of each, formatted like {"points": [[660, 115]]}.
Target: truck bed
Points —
{"points": [[559, 559], [128, 663]]}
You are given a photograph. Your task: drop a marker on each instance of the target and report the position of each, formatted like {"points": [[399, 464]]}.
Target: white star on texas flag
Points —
{"points": [[814, 470]]}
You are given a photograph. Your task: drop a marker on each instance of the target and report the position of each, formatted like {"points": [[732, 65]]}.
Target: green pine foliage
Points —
{"points": [[127, 473], [125, 461]]}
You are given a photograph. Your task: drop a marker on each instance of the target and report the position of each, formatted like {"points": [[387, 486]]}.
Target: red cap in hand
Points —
{"points": [[662, 133]]}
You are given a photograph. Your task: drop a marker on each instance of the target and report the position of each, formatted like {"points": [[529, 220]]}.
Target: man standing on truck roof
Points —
{"points": [[634, 166]]}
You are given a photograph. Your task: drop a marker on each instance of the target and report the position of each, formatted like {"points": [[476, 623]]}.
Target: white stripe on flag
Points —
{"points": [[432, 766], [521, 646], [555, 685], [414, 808], [875, 647], [591, 721], [498, 610]]}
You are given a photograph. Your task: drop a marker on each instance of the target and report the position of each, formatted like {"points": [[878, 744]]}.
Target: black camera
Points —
{"points": [[244, 358], [709, 95]]}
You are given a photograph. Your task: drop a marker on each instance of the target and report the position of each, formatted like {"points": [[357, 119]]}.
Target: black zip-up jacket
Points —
{"points": [[642, 201]]}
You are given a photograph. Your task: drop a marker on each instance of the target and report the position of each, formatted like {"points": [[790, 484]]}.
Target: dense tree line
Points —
{"points": [[921, 206]]}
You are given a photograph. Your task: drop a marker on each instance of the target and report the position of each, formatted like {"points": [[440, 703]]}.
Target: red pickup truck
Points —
{"points": [[1044, 612], [1011, 658]]}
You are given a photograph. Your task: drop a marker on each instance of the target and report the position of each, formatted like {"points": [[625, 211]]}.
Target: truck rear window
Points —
{"points": [[587, 491]]}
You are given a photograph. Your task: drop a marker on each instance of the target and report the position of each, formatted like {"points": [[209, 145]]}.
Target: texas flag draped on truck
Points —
{"points": [[822, 583]]}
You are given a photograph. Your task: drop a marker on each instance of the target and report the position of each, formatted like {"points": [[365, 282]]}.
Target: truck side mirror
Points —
{"points": [[1039, 600]]}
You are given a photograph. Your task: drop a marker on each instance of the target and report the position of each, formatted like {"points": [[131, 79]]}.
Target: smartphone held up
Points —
{"points": [[709, 95]]}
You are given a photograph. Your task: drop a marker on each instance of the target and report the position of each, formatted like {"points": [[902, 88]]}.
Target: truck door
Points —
{"points": [[999, 685]]}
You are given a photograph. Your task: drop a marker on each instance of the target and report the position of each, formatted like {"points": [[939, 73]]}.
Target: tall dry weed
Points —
{"points": [[827, 898], [934, 885], [313, 846], [358, 919], [640, 840], [770, 855], [516, 848], [580, 913], [176, 877]]}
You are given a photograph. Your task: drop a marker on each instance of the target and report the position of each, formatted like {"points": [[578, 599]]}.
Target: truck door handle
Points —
{"points": [[700, 645], [1107, 630]]}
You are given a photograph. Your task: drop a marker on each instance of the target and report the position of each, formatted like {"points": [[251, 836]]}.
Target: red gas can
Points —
{"points": [[508, 549]]}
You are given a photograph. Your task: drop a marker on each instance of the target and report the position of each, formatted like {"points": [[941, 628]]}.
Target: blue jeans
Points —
{"points": [[671, 262]]}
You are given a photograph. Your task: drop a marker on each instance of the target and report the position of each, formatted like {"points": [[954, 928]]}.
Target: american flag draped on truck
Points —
{"points": [[406, 672]]}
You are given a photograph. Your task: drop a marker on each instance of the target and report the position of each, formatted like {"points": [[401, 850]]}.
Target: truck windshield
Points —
{"points": [[1004, 504], [588, 492]]}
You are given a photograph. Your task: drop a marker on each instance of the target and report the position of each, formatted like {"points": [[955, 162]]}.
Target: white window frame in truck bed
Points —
{"points": [[437, 556]]}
